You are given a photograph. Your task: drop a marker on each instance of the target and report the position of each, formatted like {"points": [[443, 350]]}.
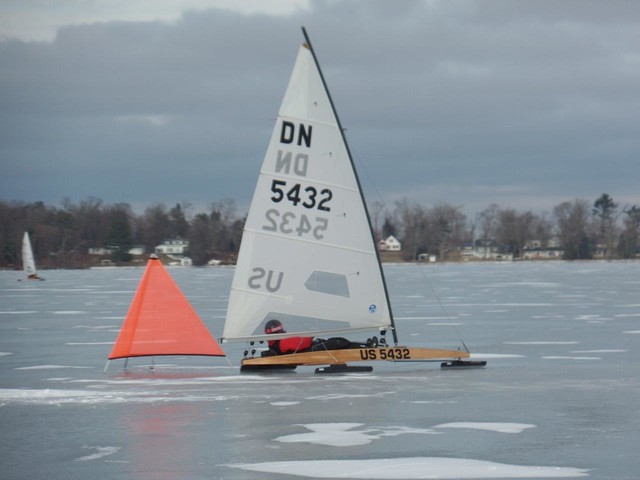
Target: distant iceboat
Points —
{"points": [[161, 321], [28, 261]]}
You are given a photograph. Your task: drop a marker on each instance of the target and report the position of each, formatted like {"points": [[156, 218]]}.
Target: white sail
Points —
{"points": [[307, 256], [28, 262]]}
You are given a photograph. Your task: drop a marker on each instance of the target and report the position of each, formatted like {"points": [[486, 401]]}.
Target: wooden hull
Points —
{"points": [[350, 355]]}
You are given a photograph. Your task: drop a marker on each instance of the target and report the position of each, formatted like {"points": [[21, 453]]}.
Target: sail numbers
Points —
{"points": [[392, 353], [290, 223], [308, 197]]}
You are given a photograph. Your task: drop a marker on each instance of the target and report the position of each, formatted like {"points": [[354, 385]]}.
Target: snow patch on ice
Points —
{"points": [[17, 312], [561, 357], [632, 332], [49, 367], [494, 355], [3, 354], [409, 468], [542, 343], [445, 324], [93, 397], [489, 426], [284, 404], [598, 351], [339, 396], [344, 435], [435, 402], [100, 453], [69, 312], [96, 327]]}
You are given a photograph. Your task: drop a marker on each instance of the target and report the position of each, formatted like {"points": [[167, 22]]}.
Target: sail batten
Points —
{"points": [[309, 333], [289, 239], [302, 119], [324, 184]]}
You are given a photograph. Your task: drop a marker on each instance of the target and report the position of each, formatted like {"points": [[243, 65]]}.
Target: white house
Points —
{"points": [[137, 250], [100, 251], [174, 246], [393, 245]]}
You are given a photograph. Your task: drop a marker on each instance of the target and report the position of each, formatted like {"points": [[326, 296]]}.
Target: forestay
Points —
{"points": [[307, 256]]}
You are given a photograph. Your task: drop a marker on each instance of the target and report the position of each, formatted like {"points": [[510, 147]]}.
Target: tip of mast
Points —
{"points": [[307, 42]]}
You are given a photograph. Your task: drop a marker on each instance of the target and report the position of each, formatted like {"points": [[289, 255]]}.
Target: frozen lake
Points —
{"points": [[560, 397]]}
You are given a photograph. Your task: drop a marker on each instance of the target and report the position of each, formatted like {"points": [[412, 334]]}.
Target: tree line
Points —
{"points": [[62, 236], [578, 228]]}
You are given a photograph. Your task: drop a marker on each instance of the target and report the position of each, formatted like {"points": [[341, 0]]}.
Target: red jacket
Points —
{"points": [[291, 344]]}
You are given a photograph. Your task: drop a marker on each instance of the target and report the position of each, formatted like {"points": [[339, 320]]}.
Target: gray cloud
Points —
{"points": [[526, 104]]}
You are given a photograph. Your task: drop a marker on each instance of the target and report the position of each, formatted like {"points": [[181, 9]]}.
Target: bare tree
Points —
{"points": [[572, 219], [376, 211], [488, 221], [414, 225], [153, 227], [514, 230], [447, 230]]}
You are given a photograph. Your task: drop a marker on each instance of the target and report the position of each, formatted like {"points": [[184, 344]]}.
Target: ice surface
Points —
{"points": [[410, 468], [187, 416], [18, 312]]}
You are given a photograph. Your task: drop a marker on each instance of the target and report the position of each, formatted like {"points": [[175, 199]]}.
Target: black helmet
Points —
{"points": [[273, 326]]}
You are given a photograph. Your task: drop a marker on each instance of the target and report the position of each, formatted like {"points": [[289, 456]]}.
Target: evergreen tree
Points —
{"points": [[630, 237], [179, 224], [120, 234], [604, 209], [200, 240]]}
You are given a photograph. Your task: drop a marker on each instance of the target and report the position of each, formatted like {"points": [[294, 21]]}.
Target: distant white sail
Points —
{"points": [[307, 256], [28, 262]]}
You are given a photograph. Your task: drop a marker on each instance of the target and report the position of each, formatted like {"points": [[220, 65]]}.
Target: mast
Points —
{"points": [[355, 172]]}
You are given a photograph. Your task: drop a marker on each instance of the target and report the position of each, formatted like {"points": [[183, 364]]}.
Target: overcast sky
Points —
{"points": [[523, 104]]}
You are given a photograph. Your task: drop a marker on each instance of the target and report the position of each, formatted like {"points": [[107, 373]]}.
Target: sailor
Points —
{"points": [[284, 345], [305, 344]]}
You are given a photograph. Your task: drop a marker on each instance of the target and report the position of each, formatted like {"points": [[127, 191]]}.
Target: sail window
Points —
{"points": [[329, 283]]}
